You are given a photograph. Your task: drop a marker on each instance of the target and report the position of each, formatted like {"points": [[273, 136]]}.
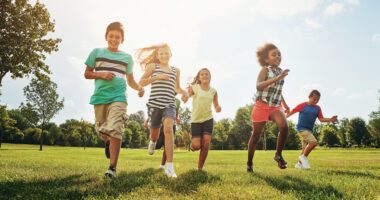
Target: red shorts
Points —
{"points": [[261, 111]]}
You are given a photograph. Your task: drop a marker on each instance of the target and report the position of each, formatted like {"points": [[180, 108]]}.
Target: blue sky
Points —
{"points": [[330, 45]]}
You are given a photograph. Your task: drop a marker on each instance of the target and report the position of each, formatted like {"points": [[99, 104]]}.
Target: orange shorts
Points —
{"points": [[261, 111]]}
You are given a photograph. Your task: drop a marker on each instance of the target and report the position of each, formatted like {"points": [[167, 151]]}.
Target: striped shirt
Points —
{"points": [[272, 95], [118, 63], [162, 94]]}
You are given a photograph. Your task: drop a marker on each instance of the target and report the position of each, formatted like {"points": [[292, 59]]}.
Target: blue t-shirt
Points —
{"points": [[307, 116]]}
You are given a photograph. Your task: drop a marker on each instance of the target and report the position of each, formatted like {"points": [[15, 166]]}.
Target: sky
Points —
{"points": [[329, 45]]}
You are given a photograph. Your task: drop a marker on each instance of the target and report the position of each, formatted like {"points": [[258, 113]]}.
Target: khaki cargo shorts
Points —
{"points": [[307, 137], [110, 119]]}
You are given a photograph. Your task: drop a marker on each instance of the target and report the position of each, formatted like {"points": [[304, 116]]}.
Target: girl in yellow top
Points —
{"points": [[202, 121]]}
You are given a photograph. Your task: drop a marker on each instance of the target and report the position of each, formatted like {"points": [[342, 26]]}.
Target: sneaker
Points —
{"points": [[151, 147], [110, 173], [282, 164], [162, 167], [107, 149], [304, 161], [249, 168], [298, 165], [170, 173]]}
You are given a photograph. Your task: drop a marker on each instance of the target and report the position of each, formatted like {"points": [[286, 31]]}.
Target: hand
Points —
{"points": [[283, 74], [287, 109], [106, 75], [162, 77], [141, 92], [185, 97], [334, 118], [218, 109]]}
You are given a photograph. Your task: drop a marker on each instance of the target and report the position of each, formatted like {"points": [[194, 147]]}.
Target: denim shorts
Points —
{"points": [[157, 115]]}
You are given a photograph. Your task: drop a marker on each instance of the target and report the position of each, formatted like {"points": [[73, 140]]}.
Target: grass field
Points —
{"points": [[74, 173]]}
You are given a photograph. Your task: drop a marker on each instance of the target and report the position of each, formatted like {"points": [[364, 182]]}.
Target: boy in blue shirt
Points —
{"points": [[308, 113]]}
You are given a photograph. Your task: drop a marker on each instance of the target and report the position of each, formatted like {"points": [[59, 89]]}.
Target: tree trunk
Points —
{"points": [[1, 138], [265, 141], [41, 140]]}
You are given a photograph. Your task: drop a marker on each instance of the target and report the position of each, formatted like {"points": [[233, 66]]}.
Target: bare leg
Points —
{"points": [[169, 139], [309, 148], [280, 119], [204, 150], [255, 136], [114, 151]]}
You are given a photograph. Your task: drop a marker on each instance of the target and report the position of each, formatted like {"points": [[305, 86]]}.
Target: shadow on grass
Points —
{"points": [[190, 181], [352, 173], [75, 186], [302, 189], [61, 188]]}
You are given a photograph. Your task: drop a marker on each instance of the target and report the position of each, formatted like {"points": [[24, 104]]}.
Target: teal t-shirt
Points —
{"points": [[118, 63]]}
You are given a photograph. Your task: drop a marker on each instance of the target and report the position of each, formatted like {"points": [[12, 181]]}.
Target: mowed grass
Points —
{"points": [[75, 173]]}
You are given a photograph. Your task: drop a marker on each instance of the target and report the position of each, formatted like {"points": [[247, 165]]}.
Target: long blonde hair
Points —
{"points": [[148, 55], [196, 78]]}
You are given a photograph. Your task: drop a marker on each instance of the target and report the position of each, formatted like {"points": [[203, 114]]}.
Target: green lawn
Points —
{"points": [[74, 173]]}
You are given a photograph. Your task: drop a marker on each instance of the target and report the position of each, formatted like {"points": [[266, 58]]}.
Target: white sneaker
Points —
{"points": [[298, 165], [110, 174], [304, 162], [151, 147], [170, 173], [162, 167]]}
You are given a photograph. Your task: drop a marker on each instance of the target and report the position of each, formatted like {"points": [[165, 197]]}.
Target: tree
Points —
{"points": [[241, 128], [374, 127], [221, 132], [23, 42], [136, 133], [5, 122], [358, 133], [42, 95], [343, 132], [329, 136], [185, 126]]}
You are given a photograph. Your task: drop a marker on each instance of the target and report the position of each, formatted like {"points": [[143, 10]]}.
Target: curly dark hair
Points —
{"points": [[262, 53]]}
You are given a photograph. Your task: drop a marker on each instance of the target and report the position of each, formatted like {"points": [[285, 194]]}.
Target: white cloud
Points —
{"points": [[339, 92], [305, 90], [312, 24], [281, 8], [354, 2], [355, 96], [376, 38], [334, 9]]}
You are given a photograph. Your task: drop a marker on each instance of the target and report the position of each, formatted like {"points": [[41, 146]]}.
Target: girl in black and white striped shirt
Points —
{"points": [[165, 83]]}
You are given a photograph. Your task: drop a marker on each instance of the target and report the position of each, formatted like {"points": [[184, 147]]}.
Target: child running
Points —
{"points": [[165, 83], [161, 138], [202, 121], [269, 102], [308, 113], [109, 67]]}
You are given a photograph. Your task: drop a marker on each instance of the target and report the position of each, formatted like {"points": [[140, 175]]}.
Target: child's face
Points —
{"points": [[114, 39], [274, 58], [204, 76], [163, 55], [314, 99]]}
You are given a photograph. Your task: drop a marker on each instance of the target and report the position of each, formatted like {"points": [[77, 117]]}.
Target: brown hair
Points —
{"points": [[148, 55], [115, 26], [196, 78], [315, 92], [262, 53]]}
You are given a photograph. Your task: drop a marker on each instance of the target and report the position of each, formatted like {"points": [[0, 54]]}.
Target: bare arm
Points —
{"points": [[332, 119], [178, 88], [190, 91], [284, 105], [133, 84], [261, 83], [216, 103], [90, 74]]}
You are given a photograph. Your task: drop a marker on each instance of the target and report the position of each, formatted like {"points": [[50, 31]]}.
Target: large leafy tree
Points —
{"points": [[42, 96], [358, 132], [5, 122], [23, 38], [221, 132]]}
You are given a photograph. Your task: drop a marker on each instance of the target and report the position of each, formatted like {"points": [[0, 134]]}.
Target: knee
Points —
{"points": [[313, 144], [195, 146], [168, 131]]}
